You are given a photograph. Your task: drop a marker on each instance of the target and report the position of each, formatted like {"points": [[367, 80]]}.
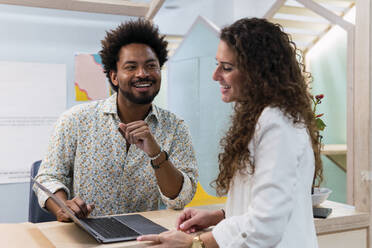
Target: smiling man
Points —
{"points": [[123, 154]]}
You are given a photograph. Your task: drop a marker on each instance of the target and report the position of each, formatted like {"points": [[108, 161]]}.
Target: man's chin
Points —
{"points": [[142, 99]]}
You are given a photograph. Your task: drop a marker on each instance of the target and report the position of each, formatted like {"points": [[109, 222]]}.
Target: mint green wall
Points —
{"points": [[327, 63], [195, 97]]}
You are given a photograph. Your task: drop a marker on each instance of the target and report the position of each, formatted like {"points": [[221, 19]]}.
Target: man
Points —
{"points": [[122, 154]]}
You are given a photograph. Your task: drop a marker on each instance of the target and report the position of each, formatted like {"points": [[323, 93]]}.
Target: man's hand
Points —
{"points": [[138, 133], [168, 177], [77, 205]]}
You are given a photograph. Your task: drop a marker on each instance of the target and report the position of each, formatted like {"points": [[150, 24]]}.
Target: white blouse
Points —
{"points": [[272, 207]]}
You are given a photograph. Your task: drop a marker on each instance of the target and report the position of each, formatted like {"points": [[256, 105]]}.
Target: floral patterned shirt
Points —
{"points": [[87, 157]]}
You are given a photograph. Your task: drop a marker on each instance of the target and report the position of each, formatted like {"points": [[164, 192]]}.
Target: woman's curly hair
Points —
{"points": [[275, 77], [134, 31]]}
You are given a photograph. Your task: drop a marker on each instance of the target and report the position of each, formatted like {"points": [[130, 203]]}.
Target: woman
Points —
{"points": [[271, 150]]}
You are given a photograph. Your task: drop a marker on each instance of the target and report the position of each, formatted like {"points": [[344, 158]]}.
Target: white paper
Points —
{"points": [[32, 96]]}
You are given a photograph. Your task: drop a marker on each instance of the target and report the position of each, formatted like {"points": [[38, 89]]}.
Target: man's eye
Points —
{"points": [[130, 68], [152, 66], [226, 68]]}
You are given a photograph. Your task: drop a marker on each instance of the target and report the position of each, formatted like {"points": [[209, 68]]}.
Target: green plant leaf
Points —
{"points": [[320, 124]]}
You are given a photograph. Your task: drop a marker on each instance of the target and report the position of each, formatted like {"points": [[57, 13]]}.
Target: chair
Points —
{"points": [[35, 213]]}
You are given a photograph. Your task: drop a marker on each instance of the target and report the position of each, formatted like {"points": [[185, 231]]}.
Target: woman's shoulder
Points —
{"points": [[276, 124], [275, 117], [273, 114]]}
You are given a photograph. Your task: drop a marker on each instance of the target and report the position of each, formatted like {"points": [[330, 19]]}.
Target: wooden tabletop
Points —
{"points": [[23, 235], [70, 235], [343, 217], [57, 234]]}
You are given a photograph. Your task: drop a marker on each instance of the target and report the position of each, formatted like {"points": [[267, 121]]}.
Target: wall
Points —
{"points": [[195, 97], [45, 36], [327, 62]]}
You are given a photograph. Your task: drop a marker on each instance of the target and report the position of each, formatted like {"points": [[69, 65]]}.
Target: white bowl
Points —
{"points": [[320, 195]]}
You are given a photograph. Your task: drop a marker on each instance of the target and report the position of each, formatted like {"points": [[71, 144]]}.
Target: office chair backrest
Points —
{"points": [[35, 213]]}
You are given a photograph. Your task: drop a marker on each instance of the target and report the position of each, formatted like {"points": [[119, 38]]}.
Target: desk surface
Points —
{"points": [[70, 235], [23, 235], [56, 234], [343, 218]]}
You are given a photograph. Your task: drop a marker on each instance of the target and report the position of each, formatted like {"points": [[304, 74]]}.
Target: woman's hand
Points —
{"points": [[169, 239], [193, 220]]}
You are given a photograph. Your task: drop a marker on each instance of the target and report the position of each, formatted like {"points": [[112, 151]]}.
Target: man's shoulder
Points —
{"points": [[166, 115]]}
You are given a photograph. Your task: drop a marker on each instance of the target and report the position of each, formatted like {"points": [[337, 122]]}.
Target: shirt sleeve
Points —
{"points": [[56, 168], [277, 147], [182, 155]]}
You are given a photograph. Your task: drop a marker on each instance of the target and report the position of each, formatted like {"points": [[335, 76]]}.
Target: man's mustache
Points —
{"points": [[146, 79]]}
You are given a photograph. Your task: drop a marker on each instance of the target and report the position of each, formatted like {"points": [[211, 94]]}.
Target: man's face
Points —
{"points": [[138, 73]]}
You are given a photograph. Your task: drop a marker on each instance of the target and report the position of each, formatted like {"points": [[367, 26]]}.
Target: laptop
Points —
{"points": [[109, 229]]}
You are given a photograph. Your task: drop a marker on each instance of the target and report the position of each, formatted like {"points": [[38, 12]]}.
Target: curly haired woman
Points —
{"points": [[270, 159]]}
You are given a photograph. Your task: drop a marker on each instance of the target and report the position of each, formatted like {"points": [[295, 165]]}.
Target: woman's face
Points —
{"points": [[227, 73]]}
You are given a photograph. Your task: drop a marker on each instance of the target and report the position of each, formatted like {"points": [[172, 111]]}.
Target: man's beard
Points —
{"points": [[144, 99]]}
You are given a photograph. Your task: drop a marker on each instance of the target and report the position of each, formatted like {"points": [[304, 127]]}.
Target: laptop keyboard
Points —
{"points": [[110, 227]]}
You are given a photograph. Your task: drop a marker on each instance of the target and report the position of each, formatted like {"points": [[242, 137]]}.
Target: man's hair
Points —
{"points": [[134, 31]]}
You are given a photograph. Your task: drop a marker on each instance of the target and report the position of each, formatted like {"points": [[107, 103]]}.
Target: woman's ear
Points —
{"points": [[113, 77]]}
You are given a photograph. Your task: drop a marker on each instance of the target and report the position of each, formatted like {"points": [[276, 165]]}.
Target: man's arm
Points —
{"points": [[170, 179], [54, 172], [77, 205], [138, 133], [165, 170]]}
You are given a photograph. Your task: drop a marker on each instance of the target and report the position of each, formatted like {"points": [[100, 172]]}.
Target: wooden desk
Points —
{"points": [[70, 235], [345, 227], [23, 235], [343, 217]]}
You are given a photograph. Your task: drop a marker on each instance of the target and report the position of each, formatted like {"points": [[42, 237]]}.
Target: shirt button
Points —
{"points": [[244, 235]]}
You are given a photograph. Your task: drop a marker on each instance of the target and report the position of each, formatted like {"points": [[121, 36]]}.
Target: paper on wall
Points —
{"points": [[32, 96]]}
